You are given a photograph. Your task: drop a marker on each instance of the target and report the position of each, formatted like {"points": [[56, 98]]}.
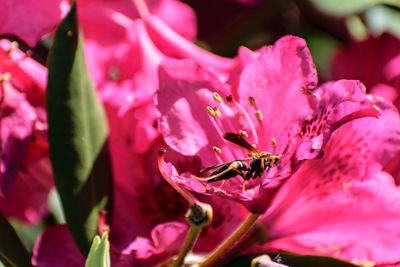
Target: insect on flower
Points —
{"points": [[259, 162]]}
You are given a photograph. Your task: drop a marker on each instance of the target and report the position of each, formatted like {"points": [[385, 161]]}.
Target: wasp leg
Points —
{"points": [[244, 186], [223, 182]]}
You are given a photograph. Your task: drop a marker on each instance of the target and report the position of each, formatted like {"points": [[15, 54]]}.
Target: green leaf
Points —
{"points": [[12, 251], [293, 260], [342, 8], [77, 135], [99, 254]]}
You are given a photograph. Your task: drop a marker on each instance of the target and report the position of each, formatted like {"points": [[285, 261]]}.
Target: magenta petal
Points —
{"points": [[186, 89], [276, 80], [356, 222], [347, 207], [166, 241], [30, 20], [55, 247], [337, 103], [174, 45], [183, 20], [17, 119]]}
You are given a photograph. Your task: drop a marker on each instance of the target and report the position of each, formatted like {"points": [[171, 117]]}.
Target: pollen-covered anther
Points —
{"points": [[273, 143], [217, 150], [243, 133], [217, 112], [217, 97], [5, 77], [252, 101], [259, 115], [210, 111]]}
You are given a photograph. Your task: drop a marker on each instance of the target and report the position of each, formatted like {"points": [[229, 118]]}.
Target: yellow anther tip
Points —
{"points": [[217, 97], [243, 133]]}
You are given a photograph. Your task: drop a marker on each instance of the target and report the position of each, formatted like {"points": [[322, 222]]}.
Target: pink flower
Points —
{"points": [[343, 204], [196, 108], [123, 51], [31, 20], [380, 71], [25, 171]]}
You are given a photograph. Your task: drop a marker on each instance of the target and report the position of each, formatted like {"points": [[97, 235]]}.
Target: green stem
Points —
{"points": [[230, 241], [187, 246]]}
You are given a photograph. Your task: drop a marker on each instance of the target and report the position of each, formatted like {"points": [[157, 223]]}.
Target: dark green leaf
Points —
{"points": [[12, 251], [293, 260], [77, 134]]}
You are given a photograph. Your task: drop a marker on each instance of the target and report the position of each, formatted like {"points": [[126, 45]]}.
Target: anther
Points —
{"points": [[210, 111], [273, 143], [243, 133], [217, 150], [5, 77], [258, 115], [229, 98], [252, 101], [217, 97], [217, 112]]}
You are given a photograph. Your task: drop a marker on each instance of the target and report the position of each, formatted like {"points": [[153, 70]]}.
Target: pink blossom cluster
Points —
{"points": [[332, 192]]}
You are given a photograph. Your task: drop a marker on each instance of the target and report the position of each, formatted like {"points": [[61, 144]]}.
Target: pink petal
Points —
{"points": [[30, 20], [183, 21], [16, 132], [174, 45], [55, 247], [342, 204], [276, 80], [338, 103], [26, 74], [186, 89], [165, 238]]}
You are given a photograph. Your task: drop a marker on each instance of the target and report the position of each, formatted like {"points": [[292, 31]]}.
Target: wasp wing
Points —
{"points": [[240, 141], [224, 164]]}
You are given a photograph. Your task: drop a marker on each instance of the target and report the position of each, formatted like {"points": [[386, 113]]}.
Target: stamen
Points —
{"points": [[217, 150], [252, 101], [217, 97], [210, 111], [243, 133], [258, 115], [273, 144], [217, 112], [246, 115], [182, 191]]}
